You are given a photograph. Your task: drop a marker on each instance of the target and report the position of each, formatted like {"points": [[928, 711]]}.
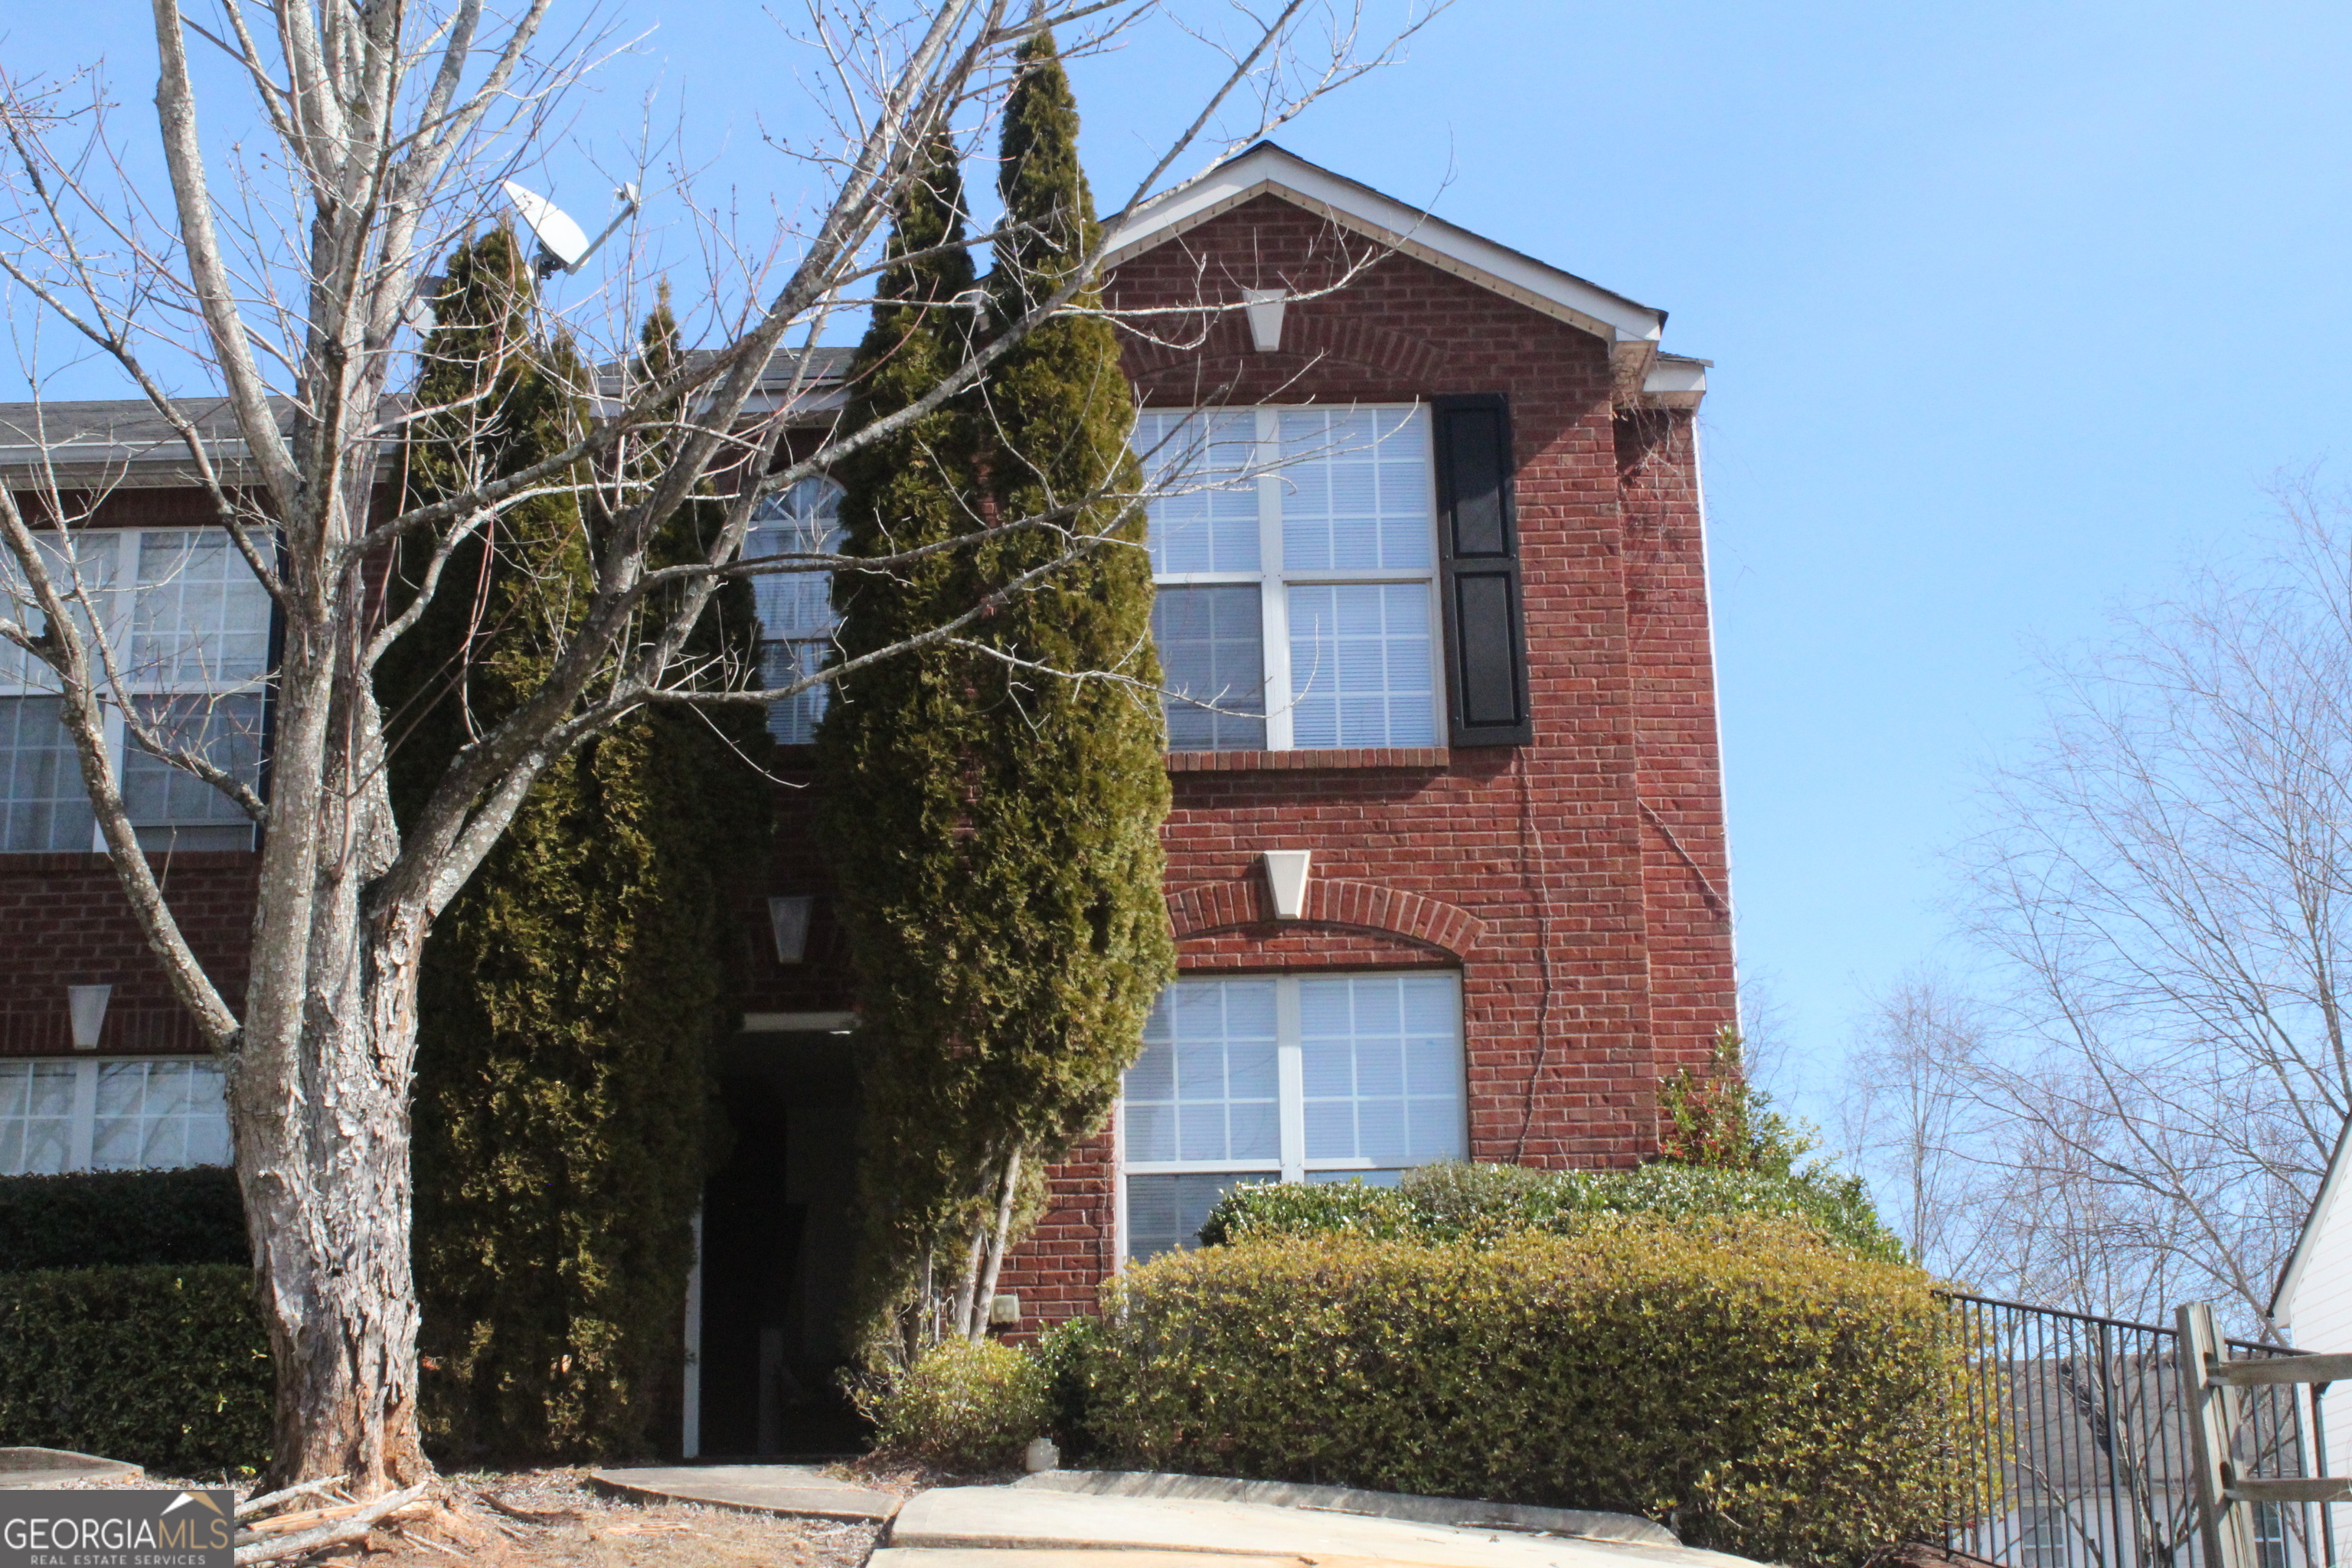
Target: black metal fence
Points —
{"points": [[2089, 1463]]}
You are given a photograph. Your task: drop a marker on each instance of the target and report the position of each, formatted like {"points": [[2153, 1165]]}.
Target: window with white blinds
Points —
{"points": [[190, 625], [1312, 1077], [1295, 555], [795, 608], [92, 1114]]}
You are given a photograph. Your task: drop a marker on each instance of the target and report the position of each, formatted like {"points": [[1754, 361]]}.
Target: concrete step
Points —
{"points": [[801, 1491]]}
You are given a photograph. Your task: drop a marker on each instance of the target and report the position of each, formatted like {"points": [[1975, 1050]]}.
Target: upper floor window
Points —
{"points": [[1295, 550], [189, 626], [796, 615]]}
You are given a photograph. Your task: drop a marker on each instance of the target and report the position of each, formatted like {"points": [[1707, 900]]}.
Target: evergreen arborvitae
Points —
{"points": [[995, 829], [569, 997]]}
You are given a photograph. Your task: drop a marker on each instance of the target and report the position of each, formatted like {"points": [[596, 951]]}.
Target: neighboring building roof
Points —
{"points": [[86, 441], [124, 442], [2331, 1193], [127, 442], [1630, 327]]}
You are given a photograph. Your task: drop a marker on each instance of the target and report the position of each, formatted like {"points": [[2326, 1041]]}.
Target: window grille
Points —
{"points": [[190, 626], [1323, 1077], [1295, 555], [100, 1114]]}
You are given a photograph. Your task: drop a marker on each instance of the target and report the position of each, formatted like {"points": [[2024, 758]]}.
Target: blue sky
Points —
{"points": [[2014, 308]]}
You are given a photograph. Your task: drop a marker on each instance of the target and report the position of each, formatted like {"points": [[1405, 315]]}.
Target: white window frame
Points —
{"points": [[118, 602], [1290, 1091], [82, 1134], [1275, 581]]}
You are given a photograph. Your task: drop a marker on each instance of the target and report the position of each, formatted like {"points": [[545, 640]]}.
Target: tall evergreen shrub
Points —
{"points": [[995, 819], [571, 995]]}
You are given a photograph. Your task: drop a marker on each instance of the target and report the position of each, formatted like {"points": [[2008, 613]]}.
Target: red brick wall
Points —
{"points": [[63, 918], [64, 922], [1593, 957], [1577, 883]]}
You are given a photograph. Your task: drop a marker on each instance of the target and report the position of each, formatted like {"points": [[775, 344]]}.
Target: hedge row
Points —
{"points": [[101, 1218], [1463, 1202], [167, 1367], [1740, 1382]]}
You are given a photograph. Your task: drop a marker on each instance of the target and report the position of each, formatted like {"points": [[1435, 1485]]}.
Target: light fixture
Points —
{"points": [[1264, 308], [1286, 879], [788, 918], [86, 1005]]}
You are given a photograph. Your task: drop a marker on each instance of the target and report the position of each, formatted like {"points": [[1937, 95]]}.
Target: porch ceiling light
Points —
{"points": [[1286, 879], [788, 920], [87, 1007]]}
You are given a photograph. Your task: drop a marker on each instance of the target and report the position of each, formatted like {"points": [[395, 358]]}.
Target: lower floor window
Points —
{"points": [[1317, 1077], [99, 1115]]}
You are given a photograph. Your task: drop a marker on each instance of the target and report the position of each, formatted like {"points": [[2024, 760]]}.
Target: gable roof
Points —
{"points": [[1631, 328], [2331, 1193]]}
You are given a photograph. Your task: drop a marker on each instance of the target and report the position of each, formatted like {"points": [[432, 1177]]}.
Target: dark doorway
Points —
{"points": [[778, 1229]]}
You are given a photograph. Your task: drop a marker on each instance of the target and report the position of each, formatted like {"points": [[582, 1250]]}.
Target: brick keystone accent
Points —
{"points": [[1207, 907]]}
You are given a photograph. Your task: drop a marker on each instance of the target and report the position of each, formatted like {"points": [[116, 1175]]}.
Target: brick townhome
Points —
{"points": [[1446, 862]]}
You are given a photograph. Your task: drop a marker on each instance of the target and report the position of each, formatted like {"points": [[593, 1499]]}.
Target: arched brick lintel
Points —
{"points": [[1308, 337], [1207, 907]]}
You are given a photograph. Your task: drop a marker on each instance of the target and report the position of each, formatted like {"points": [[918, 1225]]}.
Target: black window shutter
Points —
{"points": [[1478, 542]]}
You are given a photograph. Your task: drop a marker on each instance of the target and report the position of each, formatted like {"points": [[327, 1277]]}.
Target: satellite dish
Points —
{"points": [[562, 243]]}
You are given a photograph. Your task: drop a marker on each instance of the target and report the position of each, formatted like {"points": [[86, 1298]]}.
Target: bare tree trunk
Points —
{"points": [[976, 1326], [319, 1101], [968, 1283], [331, 1219]]}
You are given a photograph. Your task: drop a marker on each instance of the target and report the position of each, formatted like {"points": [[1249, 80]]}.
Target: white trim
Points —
{"points": [[799, 1023], [1117, 1187], [1269, 170], [1287, 873], [1675, 379], [690, 1433], [2331, 1187], [1290, 1078]]}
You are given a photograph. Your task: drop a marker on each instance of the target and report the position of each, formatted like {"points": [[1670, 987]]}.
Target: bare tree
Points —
{"points": [[386, 124], [1910, 1119], [2163, 885]]}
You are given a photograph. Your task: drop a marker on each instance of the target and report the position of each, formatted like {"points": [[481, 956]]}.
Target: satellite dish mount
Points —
{"points": [[563, 244]]}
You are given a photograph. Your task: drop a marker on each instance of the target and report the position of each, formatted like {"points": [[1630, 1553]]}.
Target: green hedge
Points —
{"points": [[1739, 1380], [1456, 1202], [166, 1367], [964, 1405], [98, 1218]]}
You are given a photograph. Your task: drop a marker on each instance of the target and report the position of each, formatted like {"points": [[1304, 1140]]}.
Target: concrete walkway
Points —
{"points": [[1521, 1517], [799, 1490], [1041, 1527]]}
